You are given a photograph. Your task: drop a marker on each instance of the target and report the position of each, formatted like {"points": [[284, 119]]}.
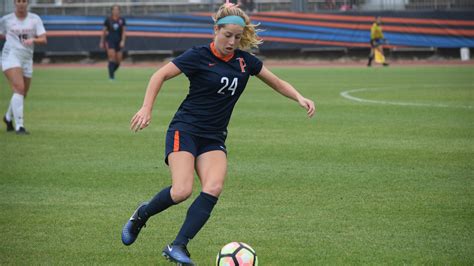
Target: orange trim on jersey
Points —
{"points": [[242, 64], [176, 141], [218, 55]]}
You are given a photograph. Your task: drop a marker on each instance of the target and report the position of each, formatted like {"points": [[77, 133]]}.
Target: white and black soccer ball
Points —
{"points": [[237, 254]]}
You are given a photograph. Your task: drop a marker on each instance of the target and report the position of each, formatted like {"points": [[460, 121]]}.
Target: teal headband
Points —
{"points": [[231, 20]]}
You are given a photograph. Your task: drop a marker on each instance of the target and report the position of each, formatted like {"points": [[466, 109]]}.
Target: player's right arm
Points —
{"points": [[102, 38], [143, 117], [2, 28], [373, 29]]}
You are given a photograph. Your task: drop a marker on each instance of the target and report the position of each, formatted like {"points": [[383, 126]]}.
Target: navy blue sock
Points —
{"points": [[198, 214], [160, 202], [111, 69], [117, 65]]}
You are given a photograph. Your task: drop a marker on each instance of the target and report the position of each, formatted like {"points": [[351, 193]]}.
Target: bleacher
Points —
{"points": [[137, 7], [324, 31], [102, 7], [439, 5], [151, 7]]}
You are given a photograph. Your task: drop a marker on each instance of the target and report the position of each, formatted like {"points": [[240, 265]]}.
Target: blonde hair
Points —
{"points": [[249, 38]]}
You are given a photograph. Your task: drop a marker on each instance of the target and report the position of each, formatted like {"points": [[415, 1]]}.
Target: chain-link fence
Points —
{"points": [[6, 6]]}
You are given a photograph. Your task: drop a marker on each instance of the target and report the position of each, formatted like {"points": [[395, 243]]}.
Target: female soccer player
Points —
{"points": [[23, 30], [195, 141], [376, 40], [113, 39]]}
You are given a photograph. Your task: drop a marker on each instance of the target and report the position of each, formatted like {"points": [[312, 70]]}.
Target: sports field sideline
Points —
{"points": [[385, 180]]}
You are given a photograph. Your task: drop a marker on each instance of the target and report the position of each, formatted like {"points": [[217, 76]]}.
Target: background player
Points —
{"points": [[23, 30], [113, 40], [195, 141], [376, 40]]}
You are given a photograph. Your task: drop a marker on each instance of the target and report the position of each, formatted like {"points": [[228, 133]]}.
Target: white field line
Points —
{"points": [[346, 94]]}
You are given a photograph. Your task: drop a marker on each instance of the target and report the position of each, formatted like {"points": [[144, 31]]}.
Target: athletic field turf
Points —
{"points": [[361, 183]]}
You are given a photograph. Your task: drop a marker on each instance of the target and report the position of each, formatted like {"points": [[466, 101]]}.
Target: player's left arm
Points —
{"points": [[382, 37], [37, 40], [40, 34], [286, 89], [124, 36]]}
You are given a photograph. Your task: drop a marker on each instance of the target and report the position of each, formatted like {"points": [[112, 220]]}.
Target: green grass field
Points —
{"points": [[361, 183]]}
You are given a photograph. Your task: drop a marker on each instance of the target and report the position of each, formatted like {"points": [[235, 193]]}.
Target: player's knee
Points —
{"points": [[213, 189], [19, 88], [181, 193]]}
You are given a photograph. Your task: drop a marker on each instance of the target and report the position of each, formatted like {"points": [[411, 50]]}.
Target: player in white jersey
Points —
{"points": [[22, 31]]}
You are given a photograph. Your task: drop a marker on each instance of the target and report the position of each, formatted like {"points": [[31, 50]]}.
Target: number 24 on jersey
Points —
{"points": [[233, 85]]}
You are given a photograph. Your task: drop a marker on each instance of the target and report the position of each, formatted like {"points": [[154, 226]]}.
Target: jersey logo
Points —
{"points": [[242, 64], [212, 64]]}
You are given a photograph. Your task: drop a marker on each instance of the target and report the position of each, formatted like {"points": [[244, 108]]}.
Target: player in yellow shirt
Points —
{"points": [[376, 41]]}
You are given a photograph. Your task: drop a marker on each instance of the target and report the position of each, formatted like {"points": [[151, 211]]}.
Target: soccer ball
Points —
{"points": [[237, 254]]}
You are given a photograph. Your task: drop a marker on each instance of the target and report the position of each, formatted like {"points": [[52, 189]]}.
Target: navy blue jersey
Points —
{"points": [[215, 86], [115, 29]]}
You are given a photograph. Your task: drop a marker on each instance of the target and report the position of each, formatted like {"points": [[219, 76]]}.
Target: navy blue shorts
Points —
{"points": [[182, 141], [376, 43], [115, 45]]}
